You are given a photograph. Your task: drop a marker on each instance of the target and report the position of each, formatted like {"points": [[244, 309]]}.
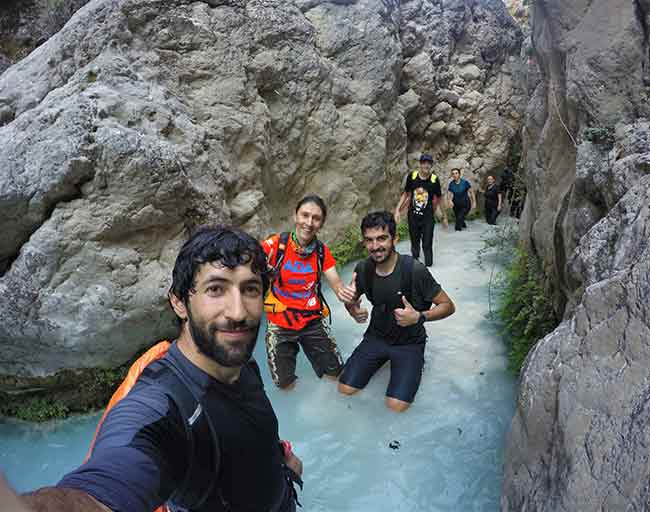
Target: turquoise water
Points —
{"points": [[450, 442]]}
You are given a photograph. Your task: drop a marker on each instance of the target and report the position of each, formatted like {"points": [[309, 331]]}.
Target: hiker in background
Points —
{"points": [[404, 295], [461, 198], [295, 306], [422, 194], [493, 200], [223, 453]]}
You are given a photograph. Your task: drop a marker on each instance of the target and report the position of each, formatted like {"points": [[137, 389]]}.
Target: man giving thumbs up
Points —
{"points": [[404, 295]]}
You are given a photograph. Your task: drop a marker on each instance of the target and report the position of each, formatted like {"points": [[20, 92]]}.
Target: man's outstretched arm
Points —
{"points": [[48, 499]]}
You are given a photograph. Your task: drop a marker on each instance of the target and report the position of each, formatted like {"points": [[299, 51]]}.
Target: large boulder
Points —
{"points": [[579, 436], [141, 119]]}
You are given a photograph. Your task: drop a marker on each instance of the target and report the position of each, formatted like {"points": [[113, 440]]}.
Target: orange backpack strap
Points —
{"points": [[156, 352], [167, 374]]}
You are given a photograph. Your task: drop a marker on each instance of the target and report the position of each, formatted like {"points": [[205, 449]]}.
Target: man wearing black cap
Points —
{"points": [[422, 192]]}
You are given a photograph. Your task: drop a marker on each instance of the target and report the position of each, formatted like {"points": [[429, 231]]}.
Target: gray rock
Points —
{"points": [[441, 42], [245, 204], [450, 97], [442, 111], [578, 440], [408, 102], [466, 59], [167, 116], [470, 72], [453, 130], [435, 129], [26, 24]]}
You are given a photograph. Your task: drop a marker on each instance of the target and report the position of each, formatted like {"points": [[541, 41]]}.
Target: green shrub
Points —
{"points": [[599, 135], [349, 247], [403, 231], [35, 409], [526, 309], [67, 392]]}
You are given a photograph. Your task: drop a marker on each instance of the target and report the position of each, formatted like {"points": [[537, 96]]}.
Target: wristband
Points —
{"points": [[286, 448]]}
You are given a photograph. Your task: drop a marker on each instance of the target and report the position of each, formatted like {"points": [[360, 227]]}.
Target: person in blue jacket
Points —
{"points": [[461, 198]]}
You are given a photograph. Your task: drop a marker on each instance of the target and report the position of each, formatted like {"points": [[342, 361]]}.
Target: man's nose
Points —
{"points": [[235, 309]]}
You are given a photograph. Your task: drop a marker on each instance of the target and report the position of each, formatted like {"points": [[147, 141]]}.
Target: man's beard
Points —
{"points": [[205, 338], [383, 256]]}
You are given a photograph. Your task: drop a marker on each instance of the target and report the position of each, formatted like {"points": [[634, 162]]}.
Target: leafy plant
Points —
{"points": [[349, 247], [403, 231], [35, 409], [599, 135], [526, 311]]}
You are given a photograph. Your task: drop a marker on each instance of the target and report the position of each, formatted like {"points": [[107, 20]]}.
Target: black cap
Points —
{"points": [[425, 157]]}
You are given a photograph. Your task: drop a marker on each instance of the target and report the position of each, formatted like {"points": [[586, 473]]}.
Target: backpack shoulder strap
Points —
{"points": [[369, 278], [165, 373], [320, 253], [406, 276], [414, 175], [434, 178], [283, 240]]}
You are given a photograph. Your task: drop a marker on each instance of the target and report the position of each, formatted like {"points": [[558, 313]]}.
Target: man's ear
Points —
{"points": [[178, 306]]}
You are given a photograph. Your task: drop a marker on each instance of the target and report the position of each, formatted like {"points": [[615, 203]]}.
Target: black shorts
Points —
{"points": [[283, 345], [406, 363]]}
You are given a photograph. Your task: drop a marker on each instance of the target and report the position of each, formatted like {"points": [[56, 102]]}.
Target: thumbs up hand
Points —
{"points": [[406, 316], [348, 294]]}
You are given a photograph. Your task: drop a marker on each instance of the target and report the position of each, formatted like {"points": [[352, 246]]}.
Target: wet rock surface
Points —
{"points": [[578, 440]]}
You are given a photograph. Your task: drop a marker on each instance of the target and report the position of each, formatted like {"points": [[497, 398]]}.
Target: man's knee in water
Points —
{"points": [[347, 390], [396, 405]]}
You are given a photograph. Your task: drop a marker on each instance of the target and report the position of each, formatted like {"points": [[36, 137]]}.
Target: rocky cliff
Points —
{"points": [[143, 118], [26, 24], [579, 437]]}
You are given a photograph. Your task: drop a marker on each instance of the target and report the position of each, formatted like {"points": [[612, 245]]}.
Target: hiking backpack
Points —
{"points": [[156, 370], [271, 306]]}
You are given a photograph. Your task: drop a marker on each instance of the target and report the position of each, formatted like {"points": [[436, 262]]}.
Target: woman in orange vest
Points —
{"points": [[295, 306]]}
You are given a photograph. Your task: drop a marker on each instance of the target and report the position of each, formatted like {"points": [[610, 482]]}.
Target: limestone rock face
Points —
{"points": [[579, 437], [26, 24], [462, 59], [141, 119]]}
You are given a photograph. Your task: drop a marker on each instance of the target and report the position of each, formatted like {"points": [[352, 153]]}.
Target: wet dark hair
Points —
{"points": [[317, 200], [208, 244], [379, 220]]}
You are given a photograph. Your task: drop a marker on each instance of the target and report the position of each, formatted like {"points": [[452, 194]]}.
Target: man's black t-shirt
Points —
{"points": [[422, 192], [140, 455], [386, 299]]}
